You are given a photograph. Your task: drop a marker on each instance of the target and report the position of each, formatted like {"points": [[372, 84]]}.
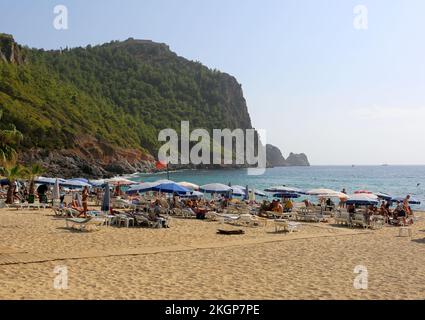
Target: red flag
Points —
{"points": [[160, 165]]}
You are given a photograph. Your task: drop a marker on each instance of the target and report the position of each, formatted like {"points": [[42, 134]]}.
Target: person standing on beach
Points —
{"points": [[85, 198], [406, 206]]}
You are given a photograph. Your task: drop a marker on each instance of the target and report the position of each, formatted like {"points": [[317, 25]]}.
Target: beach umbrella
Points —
{"points": [[338, 195], [162, 181], [362, 191], [282, 189], [188, 185], [256, 191], [315, 192], [119, 181], [401, 199], [106, 202], [215, 188], [50, 181], [363, 199], [4, 182], [238, 191], [170, 188], [141, 187], [259, 193], [384, 196], [75, 184], [97, 183], [193, 194], [56, 191], [77, 198], [80, 180], [286, 195]]}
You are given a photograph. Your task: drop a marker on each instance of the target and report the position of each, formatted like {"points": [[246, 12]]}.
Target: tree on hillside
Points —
{"points": [[12, 172], [31, 174], [9, 140]]}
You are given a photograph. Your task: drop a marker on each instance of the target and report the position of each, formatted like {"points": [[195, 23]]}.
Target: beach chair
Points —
{"points": [[377, 222], [247, 220], [309, 215], [342, 218], [84, 224], [124, 219], [142, 219], [211, 216], [286, 226], [359, 219]]}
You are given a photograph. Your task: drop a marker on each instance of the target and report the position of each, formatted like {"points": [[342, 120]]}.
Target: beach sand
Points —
{"points": [[190, 261]]}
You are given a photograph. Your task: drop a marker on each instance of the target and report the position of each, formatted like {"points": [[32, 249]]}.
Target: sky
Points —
{"points": [[314, 80]]}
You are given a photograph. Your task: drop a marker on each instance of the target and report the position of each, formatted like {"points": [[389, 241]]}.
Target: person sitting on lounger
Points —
{"points": [[288, 206]]}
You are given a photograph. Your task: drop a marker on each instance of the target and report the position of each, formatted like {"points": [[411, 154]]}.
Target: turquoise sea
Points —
{"points": [[395, 180]]}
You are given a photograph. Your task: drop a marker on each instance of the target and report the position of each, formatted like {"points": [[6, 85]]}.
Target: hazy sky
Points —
{"points": [[316, 83]]}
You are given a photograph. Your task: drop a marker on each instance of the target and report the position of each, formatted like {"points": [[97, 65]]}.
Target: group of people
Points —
{"points": [[276, 205], [402, 210]]}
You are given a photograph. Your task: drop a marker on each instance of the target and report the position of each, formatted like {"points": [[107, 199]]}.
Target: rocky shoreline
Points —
{"points": [[71, 163]]}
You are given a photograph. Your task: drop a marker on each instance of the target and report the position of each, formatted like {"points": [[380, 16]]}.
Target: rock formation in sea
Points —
{"points": [[276, 159]]}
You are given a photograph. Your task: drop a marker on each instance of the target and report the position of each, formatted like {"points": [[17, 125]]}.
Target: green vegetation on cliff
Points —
{"points": [[120, 93]]}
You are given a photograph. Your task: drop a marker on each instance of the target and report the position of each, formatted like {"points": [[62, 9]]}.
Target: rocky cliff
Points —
{"points": [[276, 159], [97, 111]]}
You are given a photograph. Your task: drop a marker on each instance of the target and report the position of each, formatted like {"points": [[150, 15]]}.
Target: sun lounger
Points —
{"points": [[377, 222], [84, 223], [309, 215], [342, 218], [359, 219], [285, 225], [142, 219]]}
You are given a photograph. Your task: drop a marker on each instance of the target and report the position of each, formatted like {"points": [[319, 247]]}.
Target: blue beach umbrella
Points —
{"points": [[141, 187], [215, 188], [193, 194], [170, 188], [362, 199], [51, 181], [283, 189], [384, 196], [75, 184], [401, 199], [106, 202], [286, 195]]}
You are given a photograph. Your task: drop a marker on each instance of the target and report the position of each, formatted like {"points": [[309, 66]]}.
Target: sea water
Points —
{"points": [[394, 180]]}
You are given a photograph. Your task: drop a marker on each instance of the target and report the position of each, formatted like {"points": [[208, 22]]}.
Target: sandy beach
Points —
{"points": [[191, 261]]}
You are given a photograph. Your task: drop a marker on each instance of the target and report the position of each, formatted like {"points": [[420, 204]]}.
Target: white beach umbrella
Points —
{"points": [[215, 188], [322, 191], [188, 185], [162, 181], [119, 181]]}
